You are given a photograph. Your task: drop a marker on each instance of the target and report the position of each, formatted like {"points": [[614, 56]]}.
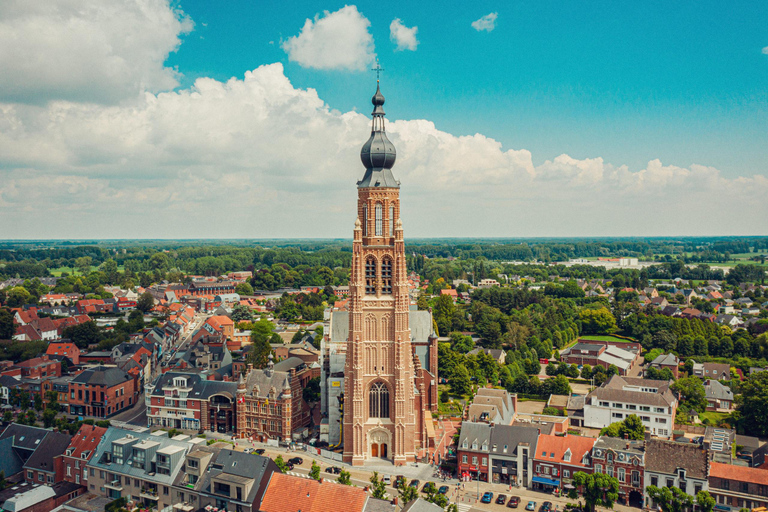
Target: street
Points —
{"points": [[465, 495]]}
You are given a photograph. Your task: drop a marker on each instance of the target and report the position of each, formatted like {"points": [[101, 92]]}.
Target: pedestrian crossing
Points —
{"points": [[463, 507], [303, 475]]}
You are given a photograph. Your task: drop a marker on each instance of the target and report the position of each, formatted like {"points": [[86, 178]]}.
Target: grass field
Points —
{"points": [[715, 418], [604, 338]]}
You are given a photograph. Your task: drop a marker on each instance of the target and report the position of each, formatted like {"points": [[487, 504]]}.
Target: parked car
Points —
{"points": [[296, 460], [387, 479], [487, 497], [428, 487], [399, 481], [531, 505], [415, 483], [501, 499], [545, 507], [514, 501], [335, 470], [443, 489], [259, 451]]}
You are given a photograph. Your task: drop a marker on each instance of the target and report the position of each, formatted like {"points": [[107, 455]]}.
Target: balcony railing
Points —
{"points": [[149, 494], [114, 484]]}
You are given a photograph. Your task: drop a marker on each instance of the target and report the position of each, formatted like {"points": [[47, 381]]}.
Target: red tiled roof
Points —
{"points": [[63, 349], [552, 448], [310, 496], [86, 439], [738, 473]]}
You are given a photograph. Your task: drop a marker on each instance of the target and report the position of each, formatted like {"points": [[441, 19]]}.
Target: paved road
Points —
{"points": [[466, 498]]}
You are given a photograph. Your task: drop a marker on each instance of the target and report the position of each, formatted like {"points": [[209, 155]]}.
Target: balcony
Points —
{"points": [[114, 484], [149, 494]]}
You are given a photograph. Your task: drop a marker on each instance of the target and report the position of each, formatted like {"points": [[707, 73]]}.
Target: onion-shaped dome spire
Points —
{"points": [[378, 153]]}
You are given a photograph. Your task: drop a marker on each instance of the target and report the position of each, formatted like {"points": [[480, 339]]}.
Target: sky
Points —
{"points": [[244, 119]]}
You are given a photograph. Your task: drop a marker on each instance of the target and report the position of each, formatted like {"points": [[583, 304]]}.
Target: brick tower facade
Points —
{"points": [[382, 416]]}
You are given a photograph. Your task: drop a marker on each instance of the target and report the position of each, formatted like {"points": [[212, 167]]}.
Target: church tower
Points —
{"points": [[381, 420]]}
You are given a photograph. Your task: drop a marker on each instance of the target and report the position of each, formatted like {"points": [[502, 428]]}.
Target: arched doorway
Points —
{"points": [[378, 442]]}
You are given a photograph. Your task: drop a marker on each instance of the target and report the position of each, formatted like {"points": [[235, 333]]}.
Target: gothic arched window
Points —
{"points": [[378, 401], [370, 276], [386, 276], [391, 220], [379, 220]]}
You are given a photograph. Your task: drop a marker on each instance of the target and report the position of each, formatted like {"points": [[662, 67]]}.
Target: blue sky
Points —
{"points": [[630, 81], [244, 119]]}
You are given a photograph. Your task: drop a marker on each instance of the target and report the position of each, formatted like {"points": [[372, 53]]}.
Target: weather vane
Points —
{"points": [[378, 69]]}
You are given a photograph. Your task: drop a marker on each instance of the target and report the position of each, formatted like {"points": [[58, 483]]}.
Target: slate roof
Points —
{"points": [[201, 388], [421, 505], [614, 390], [25, 437], [240, 464], [717, 391], [102, 376], [666, 360], [265, 380], [54, 444], [667, 456], [512, 436]]}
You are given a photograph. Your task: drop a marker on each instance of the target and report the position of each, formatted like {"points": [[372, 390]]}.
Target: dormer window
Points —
{"points": [[464, 444], [681, 474], [474, 445], [485, 447], [567, 455], [494, 447], [609, 456], [505, 448]]}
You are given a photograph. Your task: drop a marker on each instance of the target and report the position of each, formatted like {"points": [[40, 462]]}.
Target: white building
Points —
{"points": [[651, 400]]}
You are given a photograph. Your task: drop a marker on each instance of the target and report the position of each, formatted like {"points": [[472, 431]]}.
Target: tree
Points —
{"points": [[280, 463], [241, 313], [378, 487], [597, 489], [753, 405], [705, 501], [49, 416], [670, 499], [83, 334], [311, 391], [460, 383], [632, 427], [407, 493], [7, 327], [244, 289], [597, 321], [435, 497], [344, 478], [691, 393], [314, 471], [146, 302], [444, 398], [261, 335], [557, 385], [17, 297]]}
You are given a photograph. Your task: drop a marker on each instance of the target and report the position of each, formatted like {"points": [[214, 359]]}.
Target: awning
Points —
{"points": [[546, 481]]}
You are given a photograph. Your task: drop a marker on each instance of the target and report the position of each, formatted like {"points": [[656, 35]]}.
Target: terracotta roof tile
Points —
{"points": [[738, 473], [310, 496]]}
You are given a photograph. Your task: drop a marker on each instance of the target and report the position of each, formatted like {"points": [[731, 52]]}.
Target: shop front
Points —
{"points": [[541, 483]]}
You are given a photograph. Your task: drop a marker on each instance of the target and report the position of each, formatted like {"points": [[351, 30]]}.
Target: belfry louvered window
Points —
{"points": [[386, 276], [365, 220], [370, 276], [391, 220], [379, 220], [378, 401]]}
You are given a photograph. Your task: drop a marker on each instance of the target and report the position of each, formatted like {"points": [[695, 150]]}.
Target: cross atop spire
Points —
{"points": [[378, 69]]}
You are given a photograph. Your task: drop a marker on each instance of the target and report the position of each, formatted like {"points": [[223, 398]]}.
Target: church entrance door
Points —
{"points": [[384, 450], [374, 450]]}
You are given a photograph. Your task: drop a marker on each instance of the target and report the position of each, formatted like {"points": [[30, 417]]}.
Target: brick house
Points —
{"points": [[40, 468], [557, 458], [64, 349], [40, 367], [101, 391], [738, 487], [671, 464], [71, 465], [188, 401], [270, 402], [624, 460]]}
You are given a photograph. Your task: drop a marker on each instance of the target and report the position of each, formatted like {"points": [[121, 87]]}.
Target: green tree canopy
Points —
{"points": [[753, 405], [597, 489]]}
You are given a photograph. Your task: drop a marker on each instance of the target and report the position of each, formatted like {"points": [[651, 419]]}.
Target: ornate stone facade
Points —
{"points": [[383, 412]]}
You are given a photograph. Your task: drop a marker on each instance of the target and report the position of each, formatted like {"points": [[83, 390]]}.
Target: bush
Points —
{"points": [[552, 411]]}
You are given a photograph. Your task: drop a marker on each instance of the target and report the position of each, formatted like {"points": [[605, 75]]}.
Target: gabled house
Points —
{"points": [[82, 447], [557, 458], [671, 464]]}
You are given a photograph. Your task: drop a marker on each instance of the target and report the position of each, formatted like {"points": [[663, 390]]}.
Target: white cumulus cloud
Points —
{"points": [[487, 22], [402, 36], [337, 40], [277, 161], [87, 50]]}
